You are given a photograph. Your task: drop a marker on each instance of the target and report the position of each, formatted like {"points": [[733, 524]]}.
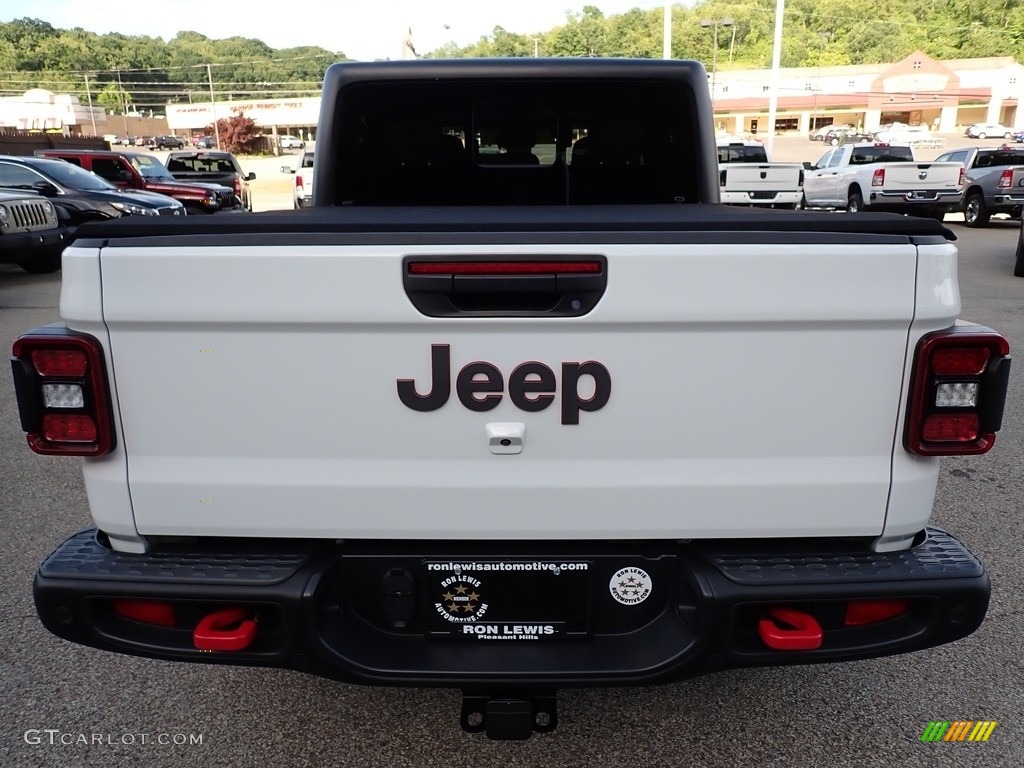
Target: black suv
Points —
{"points": [[82, 195], [212, 167], [166, 142]]}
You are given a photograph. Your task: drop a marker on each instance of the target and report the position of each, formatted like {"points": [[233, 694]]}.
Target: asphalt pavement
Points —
{"points": [[66, 705]]}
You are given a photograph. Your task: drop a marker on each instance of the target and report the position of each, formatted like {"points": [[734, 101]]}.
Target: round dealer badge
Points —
{"points": [[630, 586]]}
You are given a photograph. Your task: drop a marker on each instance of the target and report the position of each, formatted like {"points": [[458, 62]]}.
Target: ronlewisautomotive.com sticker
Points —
{"points": [[630, 586], [511, 600]]}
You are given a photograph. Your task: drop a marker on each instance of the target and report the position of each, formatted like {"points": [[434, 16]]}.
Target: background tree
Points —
{"points": [[153, 72], [238, 134]]}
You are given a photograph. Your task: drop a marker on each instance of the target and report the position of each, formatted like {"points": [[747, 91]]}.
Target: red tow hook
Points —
{"points": [[230, 629], [787, 629]]}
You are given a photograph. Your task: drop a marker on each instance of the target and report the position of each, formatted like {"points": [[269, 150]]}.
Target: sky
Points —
{"points": [[361, 29]]}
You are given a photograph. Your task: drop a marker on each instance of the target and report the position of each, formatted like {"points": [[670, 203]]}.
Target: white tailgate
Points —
{"points": [[744, 177], [907, 177], [755, 392]]}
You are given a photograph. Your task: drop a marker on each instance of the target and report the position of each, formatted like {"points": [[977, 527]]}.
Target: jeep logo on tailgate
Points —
{"points": [[531, 386]]}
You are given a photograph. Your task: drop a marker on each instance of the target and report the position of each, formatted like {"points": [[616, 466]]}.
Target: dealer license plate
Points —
{"points": [[508, 600]]}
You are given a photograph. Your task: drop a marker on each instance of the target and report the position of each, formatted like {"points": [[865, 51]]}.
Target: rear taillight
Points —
{"points": [[963, 175], [298, 181], [721, 178], [1005, 179], [957, 392], [878, 178], [61, 385]]}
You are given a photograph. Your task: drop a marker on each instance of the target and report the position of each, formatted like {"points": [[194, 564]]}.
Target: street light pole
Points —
{"points": [[824, 36], [88, 96], [213, 105], [715, 24], [666, 31], [773, 96], [124, 102]]}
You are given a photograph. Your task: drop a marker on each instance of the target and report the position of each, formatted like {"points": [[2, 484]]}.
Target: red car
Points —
{"points": [[141, 170]]}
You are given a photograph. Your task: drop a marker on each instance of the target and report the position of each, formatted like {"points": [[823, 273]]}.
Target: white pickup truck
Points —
{"points": [[481, 421], [747, 177], [303, 171], [883, 177]]}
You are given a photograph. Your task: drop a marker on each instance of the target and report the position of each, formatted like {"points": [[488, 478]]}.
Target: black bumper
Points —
{"points": [[24, 247], [367, 612]]}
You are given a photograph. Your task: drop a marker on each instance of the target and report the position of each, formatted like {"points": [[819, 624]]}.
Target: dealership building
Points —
{"points": [[297, 117], [943, 95]]}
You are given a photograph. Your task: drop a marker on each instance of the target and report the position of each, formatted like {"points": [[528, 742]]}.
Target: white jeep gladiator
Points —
{"points": [[516, 405]]}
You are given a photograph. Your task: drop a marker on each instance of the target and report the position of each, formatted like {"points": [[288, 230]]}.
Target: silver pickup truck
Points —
{"points": [[993, 181]]}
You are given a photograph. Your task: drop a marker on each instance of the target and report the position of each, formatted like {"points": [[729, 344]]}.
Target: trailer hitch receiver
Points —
{"points": [[509, 717]]}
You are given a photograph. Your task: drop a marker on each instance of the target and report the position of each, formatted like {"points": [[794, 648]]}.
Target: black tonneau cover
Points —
{"points": [[625, 219]]}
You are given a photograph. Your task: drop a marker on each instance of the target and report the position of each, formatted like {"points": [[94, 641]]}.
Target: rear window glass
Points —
{"points": [[200, 164], [1003, 157], [483, 142], [881, 154], [742, 153]]}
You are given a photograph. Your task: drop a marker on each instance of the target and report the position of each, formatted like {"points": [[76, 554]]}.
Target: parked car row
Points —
{"points": [[152, 142], [142, 171], [45, 198], [52, 189], [901, 133]]}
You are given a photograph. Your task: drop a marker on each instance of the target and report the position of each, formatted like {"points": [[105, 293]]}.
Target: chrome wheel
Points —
{"points": [[975, 214]]}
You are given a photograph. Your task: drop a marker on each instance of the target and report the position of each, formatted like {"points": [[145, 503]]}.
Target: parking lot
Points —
{"points": [[67, 705], [272, 189]]}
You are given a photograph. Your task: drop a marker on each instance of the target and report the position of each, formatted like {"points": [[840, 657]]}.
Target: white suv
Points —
{"points": [[905, 134], [984, 130], [290, 142]]}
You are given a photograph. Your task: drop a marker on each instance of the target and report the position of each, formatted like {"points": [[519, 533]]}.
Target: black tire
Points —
{"points": [[854, 201], [975, 212], [1007, 135], [1018, 267], [41, 265], [834, 142], [982, 135]]}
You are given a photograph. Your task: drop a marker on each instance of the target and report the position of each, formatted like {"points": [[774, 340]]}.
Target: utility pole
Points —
{"points": [[715, 23], [124, 102], [773, 96], [666, 32], [824, 36], [213, 105], [88, 96]]}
